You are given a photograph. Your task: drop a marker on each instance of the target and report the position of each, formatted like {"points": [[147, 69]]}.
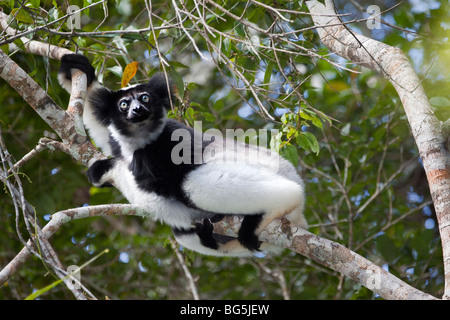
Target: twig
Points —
{"points": [[185, 268], [278, 275], [37, 245], [44, 143], [15, 34]]}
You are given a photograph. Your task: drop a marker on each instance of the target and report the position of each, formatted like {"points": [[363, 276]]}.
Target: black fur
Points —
{"points": [[246, 235], [204, 231], [105, 104], [208, 237], [98, 169], [115, 147], [217, 218], [80, 62], [154, 169]]}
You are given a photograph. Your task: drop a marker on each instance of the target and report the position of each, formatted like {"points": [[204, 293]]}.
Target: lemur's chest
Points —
{"points": [[155, 170]]}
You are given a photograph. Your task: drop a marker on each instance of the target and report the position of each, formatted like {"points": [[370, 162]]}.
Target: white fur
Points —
{"points": [[192, 241], [130, 144], [129, 87], [241, 189], [234, 188], [247, 180], [173, 213], [98, 133], [127, 145], [230, 249], [169, 211], [65, 83], [225, 151]]}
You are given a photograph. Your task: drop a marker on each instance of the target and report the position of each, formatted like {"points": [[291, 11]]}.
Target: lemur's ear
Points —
{"points": [[159, 87]]}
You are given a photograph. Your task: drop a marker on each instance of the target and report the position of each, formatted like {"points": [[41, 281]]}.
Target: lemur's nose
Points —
{"points": [[136, 110]]}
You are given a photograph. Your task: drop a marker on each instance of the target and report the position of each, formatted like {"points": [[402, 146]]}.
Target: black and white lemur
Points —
{"points": [[130, 126]]}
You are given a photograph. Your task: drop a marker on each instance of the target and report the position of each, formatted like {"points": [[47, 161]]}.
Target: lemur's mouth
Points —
{"points": [[136, 119], [137, 115]]}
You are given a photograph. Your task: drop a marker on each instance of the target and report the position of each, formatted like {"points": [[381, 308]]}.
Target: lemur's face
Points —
{"points": [[139, 110], [135, 106]]}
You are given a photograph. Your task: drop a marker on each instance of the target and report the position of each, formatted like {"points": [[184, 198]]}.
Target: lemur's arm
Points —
{"points": [[98, 131]]}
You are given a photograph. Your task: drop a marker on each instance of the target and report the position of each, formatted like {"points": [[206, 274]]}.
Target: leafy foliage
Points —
{"points": [[239, 64]]}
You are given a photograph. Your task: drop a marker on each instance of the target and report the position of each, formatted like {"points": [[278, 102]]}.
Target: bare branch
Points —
{"points": [[279, 232], [44, 143]]}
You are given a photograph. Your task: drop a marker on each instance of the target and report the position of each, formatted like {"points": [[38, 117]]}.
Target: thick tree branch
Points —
{"points": [[332, 255], [31, 46], [392, 63]]}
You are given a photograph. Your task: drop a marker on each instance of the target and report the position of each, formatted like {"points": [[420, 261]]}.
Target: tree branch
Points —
{"points": [[62, 217], [65, 124], [332, 255], [38, 244]]}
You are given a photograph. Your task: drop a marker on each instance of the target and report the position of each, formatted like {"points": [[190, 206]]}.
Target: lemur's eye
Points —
{"points": [[123, 105], [145, 98]]}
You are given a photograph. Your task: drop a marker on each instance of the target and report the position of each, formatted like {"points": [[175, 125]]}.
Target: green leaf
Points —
{"points": [[226, 46], [268, 73], [35, 3], [153, 37], [177, 64], [386, 247], [239, 29], [308, 35], [22, 15], [289, 152], [219, 105], [116, 70], [178, 80], [192, 86], [39, 292], [440, 102], [128, 36], [308, 141], [275, 142], [189, 115], [311, 116]]}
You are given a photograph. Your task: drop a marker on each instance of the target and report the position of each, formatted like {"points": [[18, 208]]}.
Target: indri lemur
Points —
{"points": [[130, 126]]}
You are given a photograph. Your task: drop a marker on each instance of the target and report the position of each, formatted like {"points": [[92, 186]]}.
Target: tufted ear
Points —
{"points": [[159, 87]]}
